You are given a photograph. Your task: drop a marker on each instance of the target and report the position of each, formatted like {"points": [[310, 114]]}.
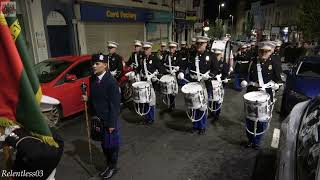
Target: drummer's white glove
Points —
{"points": [[176, 68], [156, 72], [154, 79], [113, 73], [181, 75], [230, 70], [244, 84], [173, 71], [206, 76], [276, 86]]}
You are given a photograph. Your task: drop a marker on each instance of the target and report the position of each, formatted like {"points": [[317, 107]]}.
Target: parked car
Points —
{"points": [[61, 79], [299, 150], [302, 83]]}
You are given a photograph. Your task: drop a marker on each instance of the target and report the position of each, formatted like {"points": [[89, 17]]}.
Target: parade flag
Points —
{"points": [[20, 92]]}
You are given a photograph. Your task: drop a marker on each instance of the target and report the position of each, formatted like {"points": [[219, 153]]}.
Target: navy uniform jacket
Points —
{"points": [[275, 57], [176, 60], [242, 68], [132, 60], [153, 63], [115, 63], [270, 71], [208, 61], [104, 100], [162, 54], [184, 52]]}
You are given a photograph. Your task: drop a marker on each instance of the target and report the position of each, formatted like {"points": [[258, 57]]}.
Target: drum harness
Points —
{"points": [[148, 75], [172, 72], [263, 88]]}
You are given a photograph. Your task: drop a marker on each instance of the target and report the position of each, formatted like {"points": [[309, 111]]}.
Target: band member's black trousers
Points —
{"points": [[111, 155]]}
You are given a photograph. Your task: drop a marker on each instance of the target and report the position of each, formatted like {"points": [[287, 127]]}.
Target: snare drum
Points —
{"points": [[256, 105], [141, 92], [194, 95], [168, 84], [217, 90]]}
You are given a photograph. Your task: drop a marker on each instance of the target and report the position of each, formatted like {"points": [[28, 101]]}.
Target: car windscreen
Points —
{"points": [[309, 69], [49, 69]]}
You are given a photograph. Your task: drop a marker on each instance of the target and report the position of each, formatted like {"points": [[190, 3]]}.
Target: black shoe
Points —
{"points": [[110, 173], [102, 173], [202, 131], [193, 130]]}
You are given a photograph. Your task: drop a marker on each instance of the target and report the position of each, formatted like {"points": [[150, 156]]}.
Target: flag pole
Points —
{"points": [[84, 92], [6, 154]]}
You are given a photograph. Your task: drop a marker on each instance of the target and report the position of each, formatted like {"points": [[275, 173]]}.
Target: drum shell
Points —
{"points": [[142, 93], [217, 90], [168, 85], [257, 110], [195, 100]]}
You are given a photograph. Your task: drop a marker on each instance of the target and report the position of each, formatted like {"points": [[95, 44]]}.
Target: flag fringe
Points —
{"points": [[46, 139], [5, 122]]}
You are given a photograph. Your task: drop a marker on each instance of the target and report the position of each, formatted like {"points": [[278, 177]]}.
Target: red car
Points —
{"points": [[61, 78]]}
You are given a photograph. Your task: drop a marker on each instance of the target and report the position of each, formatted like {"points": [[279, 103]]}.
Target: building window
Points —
{"points": [[137, 1]]}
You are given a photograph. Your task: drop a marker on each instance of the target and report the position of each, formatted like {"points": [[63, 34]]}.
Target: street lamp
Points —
{"points": [[220, 5], [231, 22]]}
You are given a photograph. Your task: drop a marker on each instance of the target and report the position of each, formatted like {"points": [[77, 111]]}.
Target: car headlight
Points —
{"points": [[300, 97]]}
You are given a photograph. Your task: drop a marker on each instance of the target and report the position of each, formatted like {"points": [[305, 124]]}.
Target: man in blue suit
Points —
{"points": [[104, 102]]}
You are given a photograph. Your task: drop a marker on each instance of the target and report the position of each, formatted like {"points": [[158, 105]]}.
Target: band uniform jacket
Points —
{"points": [[208, 61], [132, 60], [176, 60], [104, 102], [270, 72], [115, 63], [242, 63], [152, 62]]}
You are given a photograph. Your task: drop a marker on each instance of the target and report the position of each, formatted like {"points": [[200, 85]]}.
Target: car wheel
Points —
{"points": [[54, 116]]}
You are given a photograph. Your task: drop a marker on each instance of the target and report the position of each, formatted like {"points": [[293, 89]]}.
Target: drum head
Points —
{"points": [[140, 84], [256, 96], [191, 88], [167, 78]]}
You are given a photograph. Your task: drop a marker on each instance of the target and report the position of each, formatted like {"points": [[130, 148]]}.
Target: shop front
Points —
{"points": [[102, 23]]}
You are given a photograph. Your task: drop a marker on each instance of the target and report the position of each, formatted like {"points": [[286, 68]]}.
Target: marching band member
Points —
{"points": [[241, 68], [173, 58], [206, 62], [223, 70], [162, 52], [137, 54], [184, 52], [114, 60], [150, 64], [262, 70]]}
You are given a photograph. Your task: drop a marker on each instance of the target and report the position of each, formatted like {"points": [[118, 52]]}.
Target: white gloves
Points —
{"points": [[206, 76], [113, 73], [276, 86], [244, 84], [181, 75], [177, 68]]}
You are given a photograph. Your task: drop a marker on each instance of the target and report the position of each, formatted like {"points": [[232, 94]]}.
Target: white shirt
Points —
{"points": [[101, 75]]}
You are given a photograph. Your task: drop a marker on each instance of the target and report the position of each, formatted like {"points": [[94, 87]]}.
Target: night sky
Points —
{"points": [[211, 8]]}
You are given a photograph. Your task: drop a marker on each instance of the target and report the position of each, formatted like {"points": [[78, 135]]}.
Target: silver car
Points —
{"points": [[300, 144]]}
